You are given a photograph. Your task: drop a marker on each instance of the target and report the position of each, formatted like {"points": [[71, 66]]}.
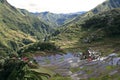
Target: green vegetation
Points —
{"points": [[106, 77], [100, 32], [58, 77], [21, 69], [106, 22], [41, 48], [19, 28], [75, 69], [97, 30], [107, 5]]}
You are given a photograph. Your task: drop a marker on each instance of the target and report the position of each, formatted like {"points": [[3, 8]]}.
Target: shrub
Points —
{"points": [[39, 46]]}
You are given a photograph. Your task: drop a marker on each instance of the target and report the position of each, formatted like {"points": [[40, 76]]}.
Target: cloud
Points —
{"points": [[32, 5]]}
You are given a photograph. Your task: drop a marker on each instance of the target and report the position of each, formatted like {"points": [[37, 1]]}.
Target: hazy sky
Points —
{"points": [[55, 6]]}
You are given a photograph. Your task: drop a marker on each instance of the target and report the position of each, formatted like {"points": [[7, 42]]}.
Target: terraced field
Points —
{"points": [[70, 65]]}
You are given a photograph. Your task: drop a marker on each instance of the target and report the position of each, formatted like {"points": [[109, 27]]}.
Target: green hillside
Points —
{"points": [[19, 27], [105, 6], [98, 30]]}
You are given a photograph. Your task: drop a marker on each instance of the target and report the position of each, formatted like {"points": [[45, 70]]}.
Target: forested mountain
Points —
{"points": [[56, 20], [19, 27]]}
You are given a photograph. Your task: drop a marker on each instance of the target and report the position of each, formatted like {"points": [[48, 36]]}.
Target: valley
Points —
{"points": [[50, 46]]}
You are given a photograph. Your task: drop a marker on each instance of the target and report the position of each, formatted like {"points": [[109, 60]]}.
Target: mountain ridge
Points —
{"points": [[56, 20], [106, 5]]}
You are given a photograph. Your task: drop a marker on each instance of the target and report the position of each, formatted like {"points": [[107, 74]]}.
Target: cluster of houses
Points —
{"points": [[91, 55]]}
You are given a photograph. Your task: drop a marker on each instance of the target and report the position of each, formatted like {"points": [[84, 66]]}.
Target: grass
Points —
{"points": [[105, 46], [75, 69], [44, 70], [60, 78], [53, 75]]}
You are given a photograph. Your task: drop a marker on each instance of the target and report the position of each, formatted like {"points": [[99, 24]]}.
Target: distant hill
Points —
{"points": [[56, 20]]}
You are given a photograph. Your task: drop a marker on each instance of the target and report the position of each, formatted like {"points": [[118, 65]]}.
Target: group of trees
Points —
{"points": [[39, 46], [18, 69]]}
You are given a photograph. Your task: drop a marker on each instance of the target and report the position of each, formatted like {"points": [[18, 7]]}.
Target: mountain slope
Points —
{"points": [[81, 19], [18, 29], [24, 22], [102, 25], [107, 5], [107, 21]]}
